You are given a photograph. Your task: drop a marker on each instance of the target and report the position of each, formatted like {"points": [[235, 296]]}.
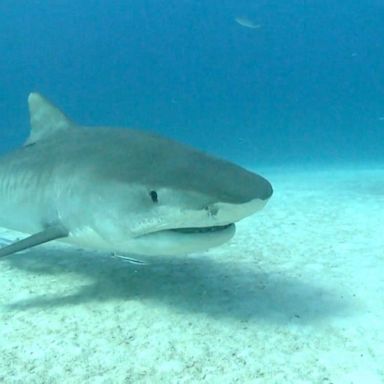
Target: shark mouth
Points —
{"points": [[192, 230], [178, 241]]}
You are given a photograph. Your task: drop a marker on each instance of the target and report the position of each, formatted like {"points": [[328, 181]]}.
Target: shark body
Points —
{"points": [[120, 190]]}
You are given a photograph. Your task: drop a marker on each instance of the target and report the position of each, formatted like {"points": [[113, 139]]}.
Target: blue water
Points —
{"points": [[307, 86]]}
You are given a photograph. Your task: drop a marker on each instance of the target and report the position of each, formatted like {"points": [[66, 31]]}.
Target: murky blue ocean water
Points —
{"points": [[305, 86]]}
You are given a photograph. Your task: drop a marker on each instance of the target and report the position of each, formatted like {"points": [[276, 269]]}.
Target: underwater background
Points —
{"points": [[292, 89], [304, 85]]}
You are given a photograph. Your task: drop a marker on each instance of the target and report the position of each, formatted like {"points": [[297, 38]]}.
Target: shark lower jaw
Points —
{"points": [[179, 241]]}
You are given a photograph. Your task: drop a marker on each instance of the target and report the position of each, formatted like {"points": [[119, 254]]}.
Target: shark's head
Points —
{"points": [[184, 201], [131, 191]]}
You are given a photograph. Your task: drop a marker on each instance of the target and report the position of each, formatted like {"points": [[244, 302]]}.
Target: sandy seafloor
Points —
{"points": [[296, 297]]}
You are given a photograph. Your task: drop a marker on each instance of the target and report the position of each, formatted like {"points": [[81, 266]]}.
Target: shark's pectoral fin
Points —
{"points": [[50, 233]]}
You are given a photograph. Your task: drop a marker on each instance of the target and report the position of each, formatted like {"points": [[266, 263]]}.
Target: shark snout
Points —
{"points": [[246, 188], [265, 189]]}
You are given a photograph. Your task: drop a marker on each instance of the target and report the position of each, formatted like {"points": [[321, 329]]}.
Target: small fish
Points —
{"points": [[245, 22], [129, 259]]}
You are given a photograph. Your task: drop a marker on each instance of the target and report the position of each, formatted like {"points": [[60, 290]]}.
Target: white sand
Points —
{"points": [[296, 297]]}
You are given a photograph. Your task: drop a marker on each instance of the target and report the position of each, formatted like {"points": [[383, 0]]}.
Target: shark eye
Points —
{"points": [[154, 197]]}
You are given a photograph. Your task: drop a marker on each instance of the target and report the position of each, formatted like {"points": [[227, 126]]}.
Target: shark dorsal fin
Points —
{"points": [[45, 119]]}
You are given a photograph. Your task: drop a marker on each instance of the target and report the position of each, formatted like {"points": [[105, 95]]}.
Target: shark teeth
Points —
{"points": [[215, 228]]}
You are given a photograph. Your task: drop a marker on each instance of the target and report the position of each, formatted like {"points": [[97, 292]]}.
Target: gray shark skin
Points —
{"points": [[120, 190]]}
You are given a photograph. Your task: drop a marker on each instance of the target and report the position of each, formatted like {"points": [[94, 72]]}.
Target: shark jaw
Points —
{"points": [[184, 239], [181, 241], [169, 231], [169, 242]]}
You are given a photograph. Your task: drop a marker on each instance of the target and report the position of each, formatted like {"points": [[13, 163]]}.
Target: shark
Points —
{"points": [[120, 190]]}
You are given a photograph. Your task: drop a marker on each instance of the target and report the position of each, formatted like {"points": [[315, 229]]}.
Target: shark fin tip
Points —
{"points": [[46, 119]]}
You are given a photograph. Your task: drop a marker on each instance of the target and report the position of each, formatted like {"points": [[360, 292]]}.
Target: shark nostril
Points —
{"points": [[154, 196]]}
